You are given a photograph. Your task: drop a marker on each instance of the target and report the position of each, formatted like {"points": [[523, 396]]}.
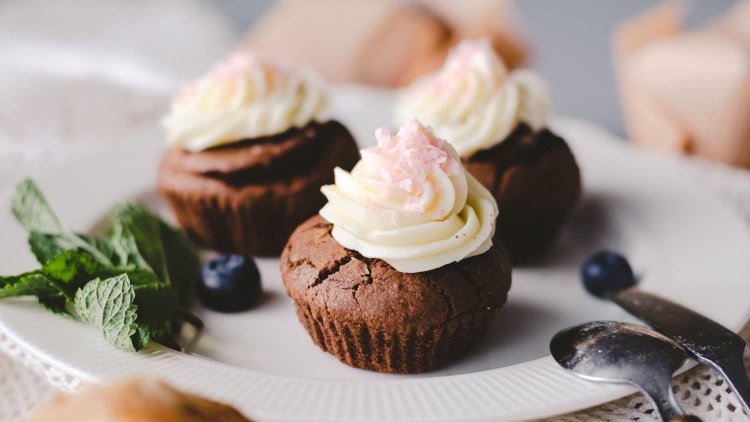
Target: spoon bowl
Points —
{"points": [[617, 352]]}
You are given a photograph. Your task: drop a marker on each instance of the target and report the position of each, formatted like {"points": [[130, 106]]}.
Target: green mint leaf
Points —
{"points": [[13, 279], [141, 277], [30, 284], [34, 283], [129, 284], [183, 262], [109, 306], [143, 336], [33, 212], [55, 303], [44, 246], [125, 248], [136, 238], [72, 269], [157, 304], [101, 244]]}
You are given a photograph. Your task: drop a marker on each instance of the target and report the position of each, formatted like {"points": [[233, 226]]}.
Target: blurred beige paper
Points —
{"points": [[687, 90], [382, 42]]}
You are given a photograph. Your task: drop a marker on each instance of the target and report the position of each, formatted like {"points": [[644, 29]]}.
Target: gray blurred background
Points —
{"points": [[569, 42]]}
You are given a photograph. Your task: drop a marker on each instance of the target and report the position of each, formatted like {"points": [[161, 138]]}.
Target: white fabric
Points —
{"points": [[52, 109], [78, 75], [20, 389]]}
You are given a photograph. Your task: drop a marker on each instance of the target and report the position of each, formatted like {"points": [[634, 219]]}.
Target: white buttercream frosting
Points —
{"points": [[410, 202], [246, 96], [473, 101]]}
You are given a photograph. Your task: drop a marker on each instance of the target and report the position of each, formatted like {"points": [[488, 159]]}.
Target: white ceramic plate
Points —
{"points": [[684, 245]]}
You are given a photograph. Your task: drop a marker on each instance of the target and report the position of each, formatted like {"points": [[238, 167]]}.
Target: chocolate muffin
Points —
{"points": [[516, 171], [399, 273], [496, 120], [249, 152], [371, 316], [247, 197]]}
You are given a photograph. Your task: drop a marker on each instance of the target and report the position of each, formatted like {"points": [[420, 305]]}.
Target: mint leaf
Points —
{"points": [[141, 277], [70, 270], [143, 336], [125, 247], [55, 303], [142, 239], [108, 305], [72, 266], [44, 246], [157, 304], [33, 212], [30, 284], [183, 263], [101, 244], [35, 283], [13, 279], [136, 238], [129, 284]]}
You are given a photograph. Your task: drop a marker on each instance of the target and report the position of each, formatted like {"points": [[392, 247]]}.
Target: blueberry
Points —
{"points": [[229, 283], [605, 272]]}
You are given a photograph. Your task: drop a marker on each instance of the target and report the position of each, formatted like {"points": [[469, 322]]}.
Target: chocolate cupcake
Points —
{"points": [[497, 121], [248, 154], [399, 273]]}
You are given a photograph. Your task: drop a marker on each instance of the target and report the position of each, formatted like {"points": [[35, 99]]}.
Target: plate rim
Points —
{"points": [[19, 345]]}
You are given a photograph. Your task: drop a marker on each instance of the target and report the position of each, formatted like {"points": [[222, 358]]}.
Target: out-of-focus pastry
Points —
{"points": [[687, 91], [382, 42], [134, 400], [497, 121]]}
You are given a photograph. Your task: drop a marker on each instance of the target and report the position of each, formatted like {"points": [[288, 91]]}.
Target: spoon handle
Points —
{"points": [[659, 391], [733, 370], [706, 340]]}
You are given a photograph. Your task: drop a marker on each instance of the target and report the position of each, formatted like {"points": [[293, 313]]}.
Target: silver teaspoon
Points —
{"points": [[617, 352], [608, 275]]}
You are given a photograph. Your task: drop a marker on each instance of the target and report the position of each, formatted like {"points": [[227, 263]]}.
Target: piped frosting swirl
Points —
{"points": [[246, 96], [409, 202], [473, 100]]}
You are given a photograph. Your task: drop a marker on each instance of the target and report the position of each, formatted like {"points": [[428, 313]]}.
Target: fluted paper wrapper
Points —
{"points": [[407, 351], [687, 90]]}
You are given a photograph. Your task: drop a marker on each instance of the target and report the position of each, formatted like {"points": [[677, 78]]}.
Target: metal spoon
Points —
{"points": [[608, 275], [617, 352]]}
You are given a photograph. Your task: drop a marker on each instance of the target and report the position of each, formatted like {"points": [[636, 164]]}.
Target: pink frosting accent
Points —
{"points": [[239, 62], [230, 70], [411, 154], [467, 51], [462, 58]]}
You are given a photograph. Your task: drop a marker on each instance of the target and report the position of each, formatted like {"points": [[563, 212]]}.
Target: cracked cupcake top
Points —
{"points": [[473, 100], [410, 203], [244, 97]]}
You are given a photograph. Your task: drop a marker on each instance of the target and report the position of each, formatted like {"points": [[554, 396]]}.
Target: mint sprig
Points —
{"points": [[131, 284], [34, 213]]}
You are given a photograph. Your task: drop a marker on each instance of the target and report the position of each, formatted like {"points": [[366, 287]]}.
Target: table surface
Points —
{"points": [[570, 43]]}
